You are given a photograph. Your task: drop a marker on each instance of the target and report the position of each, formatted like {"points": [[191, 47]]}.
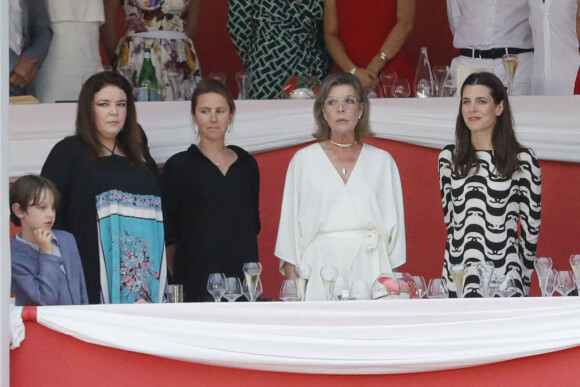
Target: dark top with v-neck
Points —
{"points": [[213, 218]]}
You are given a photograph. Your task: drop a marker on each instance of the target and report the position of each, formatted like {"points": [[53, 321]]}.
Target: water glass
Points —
{"points": [[507, 286], [389, 81], [437, 289], [174, 293]]}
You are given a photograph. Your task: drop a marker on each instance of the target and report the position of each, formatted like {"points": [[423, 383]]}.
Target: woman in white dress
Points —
{"points": [[343, 203]]}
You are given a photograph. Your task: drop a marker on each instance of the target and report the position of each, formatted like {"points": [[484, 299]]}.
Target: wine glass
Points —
{"points": [[246, 293], [216, 285], [340, 289], [485, 270], [389, 81], [510, 64], [252, 272], [564, 282], [507, 286], [437, 289], [458, 273], [543, 266], [289, 290], [233, 289], [328, 275], [440, 74], [575, 264], [420, 285], [243, 80], [359, 290], [303, 272], [402, 88]]}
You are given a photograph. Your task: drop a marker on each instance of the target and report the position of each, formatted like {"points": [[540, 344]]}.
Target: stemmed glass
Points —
{"points": [[575, 264], [437, 289], [340, 289], [359, 290], [543, 266], [510, 64], [252, 272], [485, 270], [458, 274], [440, 74], [328, 275], [303, 273], [246, 293], [402, 88], [243, 80], [388, 81], [507, 286], [420, 285], [551, 284], [289, 290], [233, 289], [216, 285], [564, 282]]}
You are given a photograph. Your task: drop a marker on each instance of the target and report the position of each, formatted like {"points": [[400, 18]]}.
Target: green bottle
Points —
{"points": [[147, 88]]}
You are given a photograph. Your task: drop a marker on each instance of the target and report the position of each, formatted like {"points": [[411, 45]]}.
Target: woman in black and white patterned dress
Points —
{"points": [[490, 184]]}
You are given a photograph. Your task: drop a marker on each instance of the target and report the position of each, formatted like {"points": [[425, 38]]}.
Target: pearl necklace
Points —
{"points": [[342, 145]]}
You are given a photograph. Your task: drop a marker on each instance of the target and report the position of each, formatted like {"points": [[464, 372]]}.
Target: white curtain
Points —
{"points": [[549, 125], [350, 337]]}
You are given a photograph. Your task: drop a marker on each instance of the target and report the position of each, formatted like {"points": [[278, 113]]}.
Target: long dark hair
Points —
{"points": [[129, 139], [505, 145], [362, 129]]}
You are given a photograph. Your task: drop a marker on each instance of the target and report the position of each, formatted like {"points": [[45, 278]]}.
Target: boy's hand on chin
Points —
{"points": [[43, 238]]}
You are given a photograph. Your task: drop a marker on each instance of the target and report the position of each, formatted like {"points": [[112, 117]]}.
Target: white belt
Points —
{"points": [[371, 236], [173, 35]]}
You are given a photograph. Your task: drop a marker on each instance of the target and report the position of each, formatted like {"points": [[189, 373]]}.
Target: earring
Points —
{"points": [[359, 117]]}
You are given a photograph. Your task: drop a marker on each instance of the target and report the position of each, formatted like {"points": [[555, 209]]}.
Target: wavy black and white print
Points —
{"points": [[482, 212]]}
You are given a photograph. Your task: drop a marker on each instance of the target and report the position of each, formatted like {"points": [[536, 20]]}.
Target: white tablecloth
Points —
{"points": [[549, 125], [351, 337]]}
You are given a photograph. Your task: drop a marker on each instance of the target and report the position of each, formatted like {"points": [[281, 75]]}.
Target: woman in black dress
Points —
{"points": [[110, 191], [210, 198]]}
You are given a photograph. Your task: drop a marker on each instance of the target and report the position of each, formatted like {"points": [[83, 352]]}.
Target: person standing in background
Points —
{"points": [[486, 30], [556, 40], [167, 28], [74, 53], [277, 39], [368, 40], [30, 37]]}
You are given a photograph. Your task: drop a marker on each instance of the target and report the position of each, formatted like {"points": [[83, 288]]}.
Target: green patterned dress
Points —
{"points": [[276, 39]]}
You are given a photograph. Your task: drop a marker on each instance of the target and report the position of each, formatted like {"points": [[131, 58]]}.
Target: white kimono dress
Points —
{"points": [[357, 227]]}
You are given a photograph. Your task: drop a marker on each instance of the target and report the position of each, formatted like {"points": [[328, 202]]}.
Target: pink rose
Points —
{"points": [[391, 284]]}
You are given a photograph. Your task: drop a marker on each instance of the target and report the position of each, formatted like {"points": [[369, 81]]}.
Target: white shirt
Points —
{"points": [[556, 57], [486, 24]]}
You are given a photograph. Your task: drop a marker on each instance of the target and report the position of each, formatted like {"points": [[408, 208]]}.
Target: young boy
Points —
{"points": [[46, 267]]}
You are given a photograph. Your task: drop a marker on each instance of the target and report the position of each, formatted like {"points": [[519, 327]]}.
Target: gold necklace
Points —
{"points": [[342, 145]]}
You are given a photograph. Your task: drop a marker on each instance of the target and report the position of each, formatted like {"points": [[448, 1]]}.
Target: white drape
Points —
{"points": [[549, 125], [350, 337]]}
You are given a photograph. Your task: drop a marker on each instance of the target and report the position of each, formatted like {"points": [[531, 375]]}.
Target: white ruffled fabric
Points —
{"points": [[548, 125], [17, 329], [352, 337]]}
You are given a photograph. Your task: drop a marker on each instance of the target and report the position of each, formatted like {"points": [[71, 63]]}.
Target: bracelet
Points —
{"points": [[383, 56], [353, 70]]}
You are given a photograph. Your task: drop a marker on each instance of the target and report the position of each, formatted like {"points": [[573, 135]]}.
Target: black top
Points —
{"points": [[214, 219], [79, 180]]}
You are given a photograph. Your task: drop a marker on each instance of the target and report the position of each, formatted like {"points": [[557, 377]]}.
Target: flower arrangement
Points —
{"points": [[393, 285]]}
